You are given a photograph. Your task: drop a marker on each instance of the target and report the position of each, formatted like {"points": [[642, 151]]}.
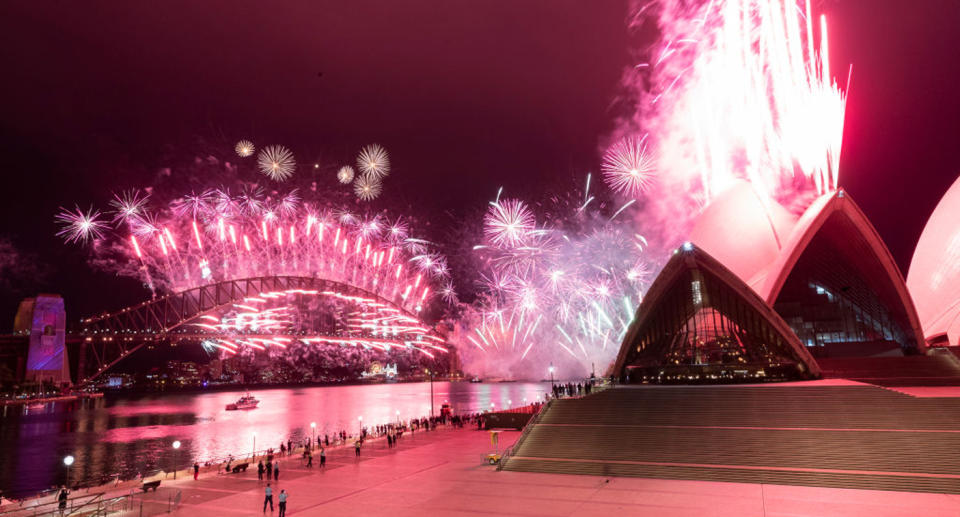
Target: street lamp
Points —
{"points": [[313, 429], [431, 392], [360, 418], [551, 375], [253, 452], [68, 461], [398, 417], [176, 448]]}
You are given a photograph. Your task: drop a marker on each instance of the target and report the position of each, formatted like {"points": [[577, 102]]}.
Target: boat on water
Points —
{"points": [[247, 401]]}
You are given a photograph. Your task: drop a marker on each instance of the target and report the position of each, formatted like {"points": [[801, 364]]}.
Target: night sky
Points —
{"points": [[466, 96]]}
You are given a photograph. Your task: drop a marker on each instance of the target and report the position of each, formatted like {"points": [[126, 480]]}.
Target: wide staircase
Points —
{"points": [[862, 437], [937, 369]]}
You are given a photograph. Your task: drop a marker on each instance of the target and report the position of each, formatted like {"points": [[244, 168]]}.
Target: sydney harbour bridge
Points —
{"points": [[250, 313]]}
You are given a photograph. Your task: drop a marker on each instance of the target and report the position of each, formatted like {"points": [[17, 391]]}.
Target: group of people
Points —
{"points": [[572, 390]]}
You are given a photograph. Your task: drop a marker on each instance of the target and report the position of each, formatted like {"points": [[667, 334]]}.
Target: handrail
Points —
{"points": [[523, 435]]}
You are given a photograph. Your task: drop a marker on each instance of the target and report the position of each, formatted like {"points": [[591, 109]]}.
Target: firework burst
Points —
{"points": [[80, 226], [345, 174], [244, 148], [508, 222], [367, 188], [373, 161], [276, 162], [627, 168], [129, 206]]}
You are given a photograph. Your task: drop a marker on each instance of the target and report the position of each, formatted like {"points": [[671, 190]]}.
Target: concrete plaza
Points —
{"points": [[442, 473]]}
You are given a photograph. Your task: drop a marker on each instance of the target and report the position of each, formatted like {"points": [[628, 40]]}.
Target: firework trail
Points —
{"points": [[734, 89]]}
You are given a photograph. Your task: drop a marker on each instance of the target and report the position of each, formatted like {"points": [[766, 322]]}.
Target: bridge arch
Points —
{"points": [[111, 337]]}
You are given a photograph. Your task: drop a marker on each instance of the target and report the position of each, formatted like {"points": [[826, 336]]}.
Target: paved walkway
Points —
{"points": [[441, 473]]}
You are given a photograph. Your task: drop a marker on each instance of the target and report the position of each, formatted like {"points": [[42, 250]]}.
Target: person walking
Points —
{"points": [[282, 499], [196, 470], [323, 457], [309, 460], [356, 446], [267, 498], [269, 469], [260, 470], [276, 472]]}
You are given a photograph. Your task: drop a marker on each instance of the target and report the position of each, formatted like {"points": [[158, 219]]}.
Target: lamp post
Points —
{"points": [[431, 392], [68, 461], [313, 430], [360, 419], [509, 403], [176, 448], [398, 417], [253, 452], [551, 376]]}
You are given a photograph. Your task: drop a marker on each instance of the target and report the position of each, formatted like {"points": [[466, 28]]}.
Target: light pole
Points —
{"points": [[398, 417], [68, 461], [253, 452], [360, 419], [551, 376], [313, 429], [509, 403], [431, 393], [176, 448]]}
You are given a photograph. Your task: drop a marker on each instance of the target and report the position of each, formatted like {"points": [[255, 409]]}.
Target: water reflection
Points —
{"points": [[130, 435]]}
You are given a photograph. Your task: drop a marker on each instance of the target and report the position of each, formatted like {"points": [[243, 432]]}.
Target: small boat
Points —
{"points": [[475, 379], [247, 401]]}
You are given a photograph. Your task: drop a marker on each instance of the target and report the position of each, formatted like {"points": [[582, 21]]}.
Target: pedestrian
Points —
{"points": [[260, 470], [62, 498], [356, 446], [196, 470], [269, 469], [323, 457], [282, 499], [290, 446], [276, 472], [309, 460], [326, 440], [267, 498]]}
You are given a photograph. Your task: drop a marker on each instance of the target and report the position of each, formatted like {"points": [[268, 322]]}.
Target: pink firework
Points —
{"points": [[509, 222], [80, 226], [627, 167]]}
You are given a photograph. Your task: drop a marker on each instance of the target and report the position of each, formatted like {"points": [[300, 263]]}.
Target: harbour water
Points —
{"points": [[127, 435]]}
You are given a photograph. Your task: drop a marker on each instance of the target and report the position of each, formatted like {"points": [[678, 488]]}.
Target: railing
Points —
{"points": [[523, 435], [99, 505]]}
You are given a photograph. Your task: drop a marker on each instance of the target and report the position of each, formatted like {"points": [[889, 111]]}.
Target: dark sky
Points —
{"points": [[466, 96]]}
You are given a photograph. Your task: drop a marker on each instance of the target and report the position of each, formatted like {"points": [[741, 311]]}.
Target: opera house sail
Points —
{"points": [[837, 286], [700, 322]]}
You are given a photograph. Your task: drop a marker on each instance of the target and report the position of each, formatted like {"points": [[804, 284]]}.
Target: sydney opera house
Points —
{"points": [[759, 294]]}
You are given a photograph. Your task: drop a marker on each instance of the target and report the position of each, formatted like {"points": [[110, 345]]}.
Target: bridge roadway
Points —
{"points": [[441, 473]]}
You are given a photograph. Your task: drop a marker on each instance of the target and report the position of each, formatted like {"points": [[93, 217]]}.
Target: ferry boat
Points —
{"points": [[247, 401]]}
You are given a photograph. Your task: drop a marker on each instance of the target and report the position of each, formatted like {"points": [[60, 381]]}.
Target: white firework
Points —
{"points": [[367, 188], [627, 167], [129, 206], [244, 148], [80, 226], [276, 162], [345, 174], [373, 161], [509, 222]]}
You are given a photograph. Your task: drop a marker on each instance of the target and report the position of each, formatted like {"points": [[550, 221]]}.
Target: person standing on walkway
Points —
{"points": [[323, 457], [282, 499], [309, 460], [356, 446], [269, 469], [196, 470], [62, 498], [267, 498], [276, 472], [260, 470]]}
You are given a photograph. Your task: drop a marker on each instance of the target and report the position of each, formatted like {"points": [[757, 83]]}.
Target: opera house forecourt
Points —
{"points": [[760, 295]]}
